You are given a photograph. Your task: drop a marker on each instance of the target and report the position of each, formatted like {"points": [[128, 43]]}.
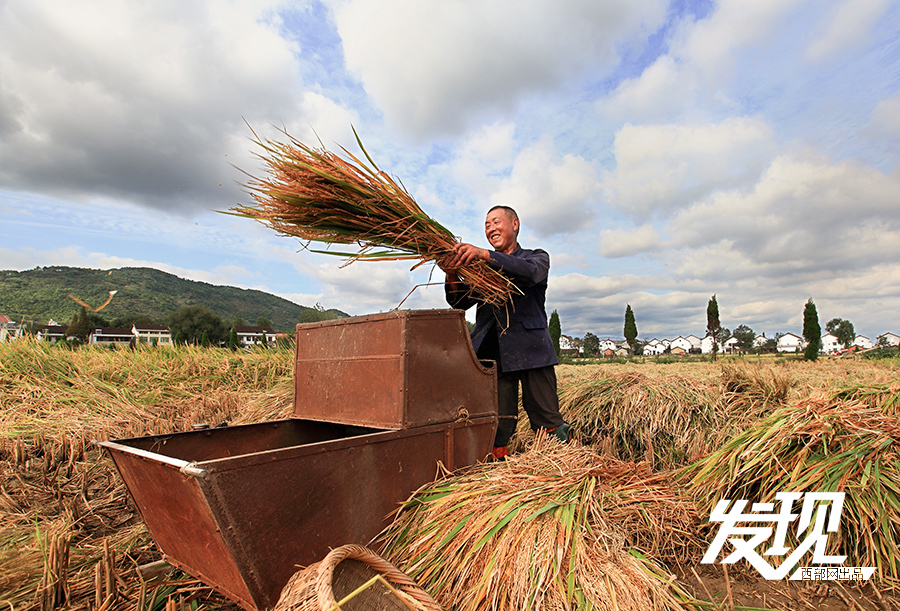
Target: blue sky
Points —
{"points": [[661, 152]]}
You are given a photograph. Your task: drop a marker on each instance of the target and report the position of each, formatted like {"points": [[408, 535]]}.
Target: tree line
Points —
{"points": [[194, 324], [746, 337]]}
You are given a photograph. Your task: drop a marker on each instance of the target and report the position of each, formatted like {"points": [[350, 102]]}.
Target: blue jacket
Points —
{"points": [[524, 336]]}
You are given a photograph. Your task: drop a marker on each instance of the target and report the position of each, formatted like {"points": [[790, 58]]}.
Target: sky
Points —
{"points": [[661, 152]]}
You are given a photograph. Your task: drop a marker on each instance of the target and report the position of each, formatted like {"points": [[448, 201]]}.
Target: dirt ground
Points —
{"points": [[749, 591]]}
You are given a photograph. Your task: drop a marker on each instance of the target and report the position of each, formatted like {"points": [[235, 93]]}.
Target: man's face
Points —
{"points": [[500, 230]]}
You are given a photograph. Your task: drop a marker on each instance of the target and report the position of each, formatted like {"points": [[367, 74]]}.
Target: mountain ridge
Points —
{"points": [[42, 293]]}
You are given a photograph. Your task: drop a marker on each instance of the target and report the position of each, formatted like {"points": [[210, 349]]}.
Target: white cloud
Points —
{"points": [[848, 24], [886, 116], [432, 67], [615, 243], [551, 195], [663, 91], [664, 167], [139, 102]]}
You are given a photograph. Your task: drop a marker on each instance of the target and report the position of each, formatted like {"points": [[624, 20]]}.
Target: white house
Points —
{"points": [[760, 340], [682, 343], [255, 336], [730, 346], [607, 344], [892, 339], [861, 341], [830, 344], [695, 343], [706, 345], [654, 347], [790, 343], [568, 345], [9, 330], [52, 333], [111, 336], [157, 335]]}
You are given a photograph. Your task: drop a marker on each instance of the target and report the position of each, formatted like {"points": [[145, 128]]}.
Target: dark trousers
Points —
{"points": [[539, 399]]}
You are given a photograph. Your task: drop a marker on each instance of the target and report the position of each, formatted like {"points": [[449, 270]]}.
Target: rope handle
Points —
{"points": [[325, 573]]}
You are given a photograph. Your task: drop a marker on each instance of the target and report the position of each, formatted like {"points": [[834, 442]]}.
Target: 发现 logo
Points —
{"points": [[819, 515]]}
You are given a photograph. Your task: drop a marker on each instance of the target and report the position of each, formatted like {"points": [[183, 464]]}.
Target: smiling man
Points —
{"points": [[515, 335]]}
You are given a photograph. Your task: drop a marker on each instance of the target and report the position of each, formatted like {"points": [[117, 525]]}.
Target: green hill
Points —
{"points": [[40, 294]]}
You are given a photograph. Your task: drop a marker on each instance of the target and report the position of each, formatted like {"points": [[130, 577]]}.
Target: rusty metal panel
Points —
{"points": [[242, 520], [180, 520], [394, 370]]}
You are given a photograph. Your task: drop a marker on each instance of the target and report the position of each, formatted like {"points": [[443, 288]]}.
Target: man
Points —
{"points": [[516, 334]]}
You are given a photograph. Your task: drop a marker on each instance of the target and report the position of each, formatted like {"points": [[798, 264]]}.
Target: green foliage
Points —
{"points": [[631, 331], [812, 332], [745, 337], [262, 321], [233, 338], [713, 326], [80, 327], [842, 329], [317, 314], [591, 344], [196, 324], [555, 331], [126, 322], [42, 293]]}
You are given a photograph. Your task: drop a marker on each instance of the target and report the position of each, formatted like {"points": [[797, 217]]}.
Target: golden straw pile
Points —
{"points": [[318, 196], [556, 525]]}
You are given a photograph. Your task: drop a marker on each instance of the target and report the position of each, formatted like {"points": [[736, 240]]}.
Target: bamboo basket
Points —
{"points": [[358, 578]]}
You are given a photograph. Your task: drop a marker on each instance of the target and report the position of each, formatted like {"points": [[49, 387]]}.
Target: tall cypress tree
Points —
{"points": [[555, 331], [631, 331], [812, 332], [713, 326]]}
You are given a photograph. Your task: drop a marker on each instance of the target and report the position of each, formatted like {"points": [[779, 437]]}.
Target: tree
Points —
{"points": [[233, 338], [745, 337], [631, 330], [713, 326], [812, 332], [591, 344], [80, 326], [842, 329], [555, 331], [262, 321], [724, 335], [193, 321]]}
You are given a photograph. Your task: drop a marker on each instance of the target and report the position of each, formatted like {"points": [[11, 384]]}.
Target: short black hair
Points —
{"points": [[509, 212]]}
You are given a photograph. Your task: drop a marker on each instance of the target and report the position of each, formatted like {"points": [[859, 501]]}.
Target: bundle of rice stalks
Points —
{"points": [[662, 420], [817, 445], [884, 396], [318, 196], [557, 527], [754, 388]]}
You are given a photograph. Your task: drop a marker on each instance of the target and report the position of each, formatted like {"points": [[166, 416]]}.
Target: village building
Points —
{"points": [[891, 339], [790, 343], [830, 344], [249, 336], [111, 336], [862, 342], [155, 335]]}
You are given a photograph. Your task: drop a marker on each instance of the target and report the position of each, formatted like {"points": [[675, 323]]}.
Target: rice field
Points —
{"points": [[614, 521]]}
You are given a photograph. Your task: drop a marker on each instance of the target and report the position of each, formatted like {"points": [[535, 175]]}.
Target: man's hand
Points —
{"points": [[463, 254]]}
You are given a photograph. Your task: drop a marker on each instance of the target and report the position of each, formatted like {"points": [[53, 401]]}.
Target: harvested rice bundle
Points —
{"points": [[663, 420], [318, 196], [752, 388], [884, 396], [818, 445], [556, 527]]}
